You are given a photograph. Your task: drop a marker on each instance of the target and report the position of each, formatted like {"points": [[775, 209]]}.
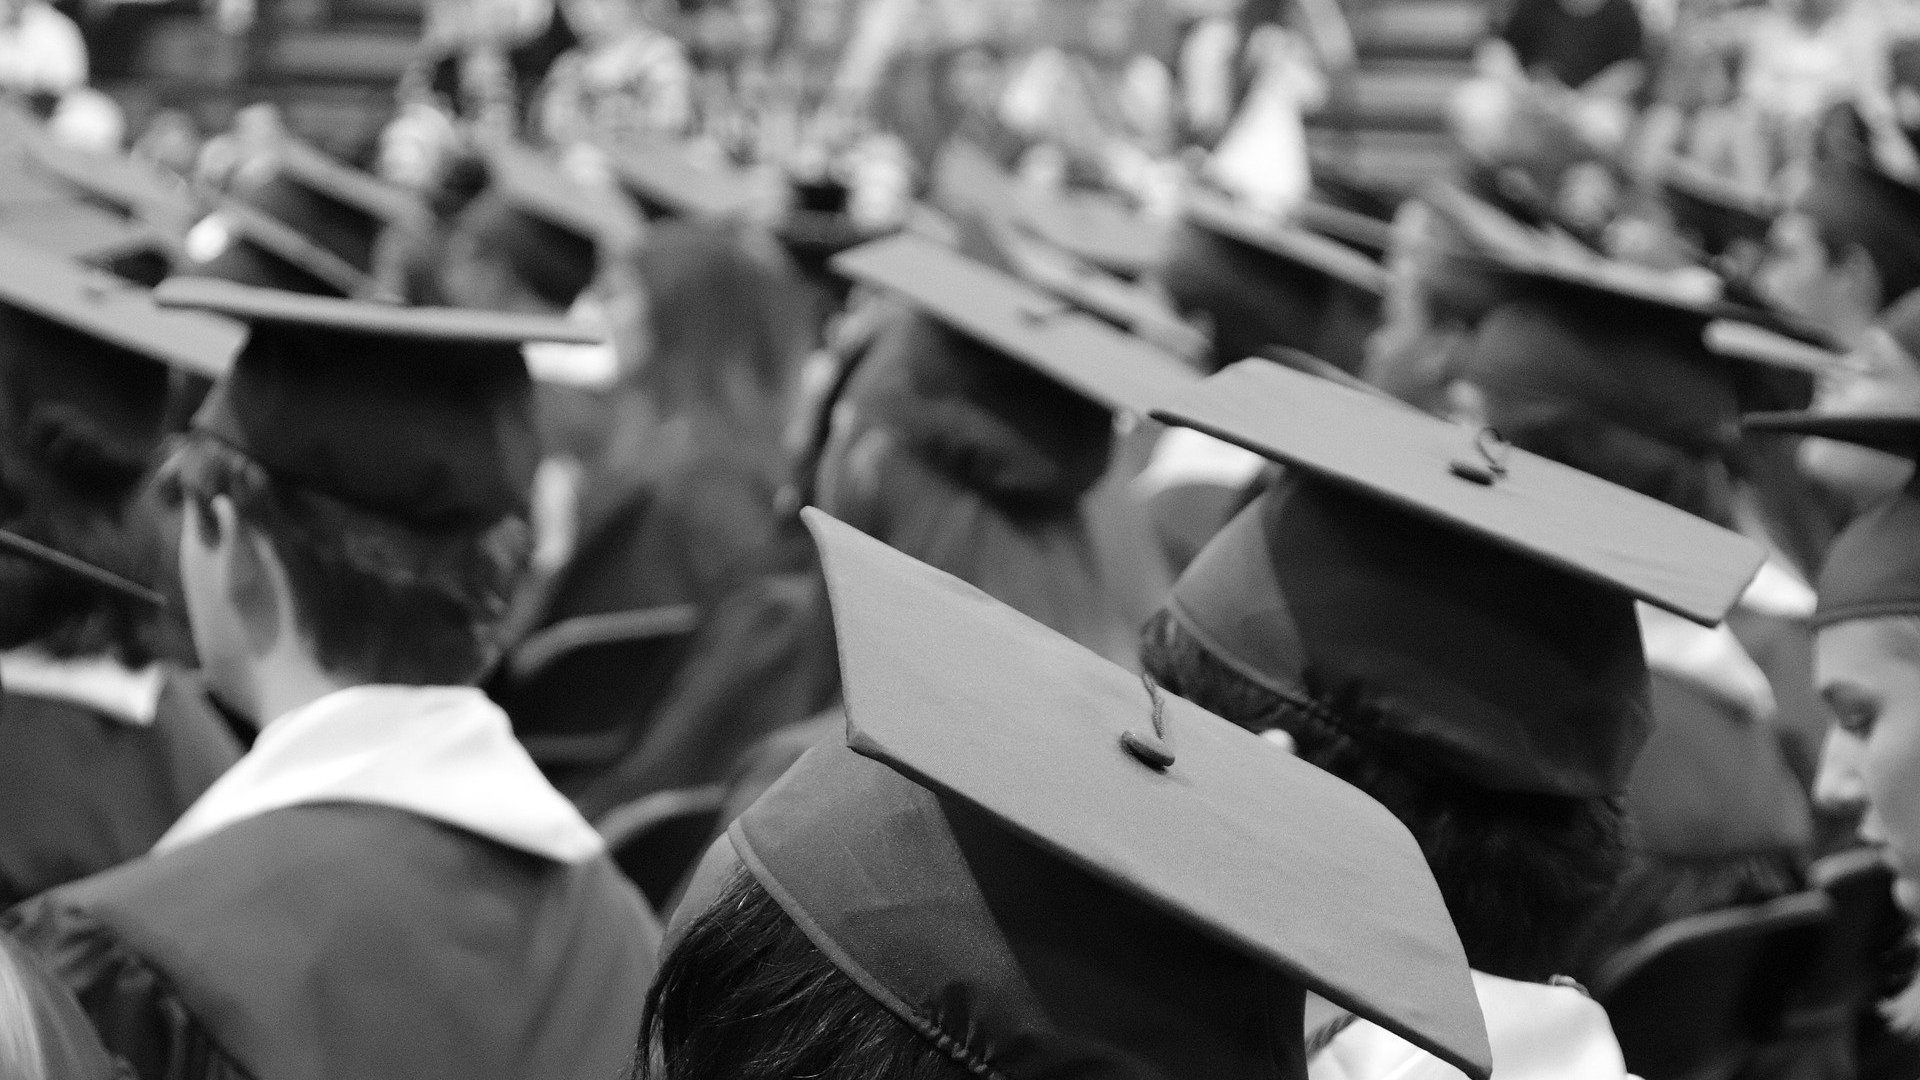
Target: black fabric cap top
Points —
{"points": [[1479, 597], [1872, 569], [247, 246], [669, 179], [84, 361], [336, 207], [422, 415], [999, 783], [1034, 327], [1287, 242], [1716, 211]]}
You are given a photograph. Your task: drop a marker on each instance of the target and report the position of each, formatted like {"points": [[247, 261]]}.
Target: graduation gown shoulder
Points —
{"points": [[82, 791], [347, 940]]}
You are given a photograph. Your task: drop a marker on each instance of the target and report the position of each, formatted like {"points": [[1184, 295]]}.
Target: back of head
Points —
{"points": [[1614, 398], [979, 465], [80, 421], [1853, 204], [724, 318], [1253, 300], [992, 426]]}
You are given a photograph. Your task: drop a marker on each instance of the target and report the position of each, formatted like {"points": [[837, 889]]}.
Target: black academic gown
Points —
{"points": [[82, 791], [336, 940]]}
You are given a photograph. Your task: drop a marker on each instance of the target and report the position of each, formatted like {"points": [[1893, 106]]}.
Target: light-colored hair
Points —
{"points": [[20, 1053]]}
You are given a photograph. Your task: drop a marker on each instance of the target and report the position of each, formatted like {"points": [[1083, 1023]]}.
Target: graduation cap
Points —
{"points": [[1033, 327], [1045, 867], [1872, 569], [549, 227], [1286, 242], [1263, 282], [340, 209], [669, 178], [239, 243], [1479, 597], [422, 415], [1097, 228], [1718, 212], [85, 362], [123, 184], [1664, 357], [80, 231], [79, 569]]}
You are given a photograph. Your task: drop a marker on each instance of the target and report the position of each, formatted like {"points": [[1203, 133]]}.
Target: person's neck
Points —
{"points": [[286, 680]]}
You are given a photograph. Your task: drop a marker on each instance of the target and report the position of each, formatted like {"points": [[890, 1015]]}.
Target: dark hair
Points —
{"points": [[1693, 478], [379, 601], [54, 611], [744, 995], [1522, 874]]}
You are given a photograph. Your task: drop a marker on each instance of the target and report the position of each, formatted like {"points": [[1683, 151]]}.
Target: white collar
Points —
{"points": [[442, 752], [1537, 1032], [99, 682]]}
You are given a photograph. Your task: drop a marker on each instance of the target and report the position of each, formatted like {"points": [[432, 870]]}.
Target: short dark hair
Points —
{"points": [[379, 601], [1522, 874], [744, 995]]}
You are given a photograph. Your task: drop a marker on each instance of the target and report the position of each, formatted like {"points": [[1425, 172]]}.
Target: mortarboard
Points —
{"points": [[1096, 228], [1286, 242], [1478, 598], [1719, 213], [417, 414], [340, 209], [1000, 784], [549, 227], [1033, 327], [124, 184], [1872, 569], [241, 244], [83, 232], [85, 359], [80, 570], [1623, 343], [670, 179], [1265, 283]]}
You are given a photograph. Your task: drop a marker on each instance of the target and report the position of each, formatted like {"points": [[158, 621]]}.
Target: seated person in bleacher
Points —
{"points": [[103, 745], [1020, 862], [1867, 665], [384, 887], [1448, 623]]}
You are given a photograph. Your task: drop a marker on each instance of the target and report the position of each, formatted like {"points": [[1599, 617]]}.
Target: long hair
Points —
{"points": [[744, 995]]}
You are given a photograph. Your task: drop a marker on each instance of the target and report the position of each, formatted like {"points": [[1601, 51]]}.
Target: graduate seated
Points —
{"points": [[1446, 622], [1022, 861], [1864, 663], [103, 741], [384, 886], [1848, 246]]}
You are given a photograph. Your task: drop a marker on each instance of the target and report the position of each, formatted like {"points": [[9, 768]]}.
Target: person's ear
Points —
{"points": [[248, 573], [1466, 403]]}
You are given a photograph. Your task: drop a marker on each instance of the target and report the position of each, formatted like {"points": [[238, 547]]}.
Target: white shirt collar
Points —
{"points": [[443, 752], [1537, 1032], [100, 683]]}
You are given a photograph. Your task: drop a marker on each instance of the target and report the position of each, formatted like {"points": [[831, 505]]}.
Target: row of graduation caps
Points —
{"points": [[1154, 811]]}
